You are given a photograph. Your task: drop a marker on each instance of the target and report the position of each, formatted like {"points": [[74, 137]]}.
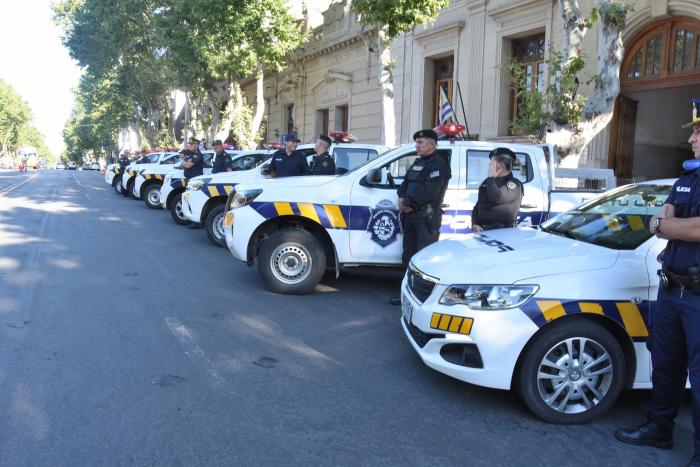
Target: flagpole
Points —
{"points": [[461, 101]]}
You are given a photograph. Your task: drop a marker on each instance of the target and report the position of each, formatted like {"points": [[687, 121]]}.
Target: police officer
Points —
{"points": [[675, 322], [123, 161], [499, 195], [420, 197], [288, 162], [222, 160], [193, 165], [322, 163]]}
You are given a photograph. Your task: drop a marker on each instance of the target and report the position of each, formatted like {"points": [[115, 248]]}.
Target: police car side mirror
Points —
{"points": [[373, 177], [265, 169]]}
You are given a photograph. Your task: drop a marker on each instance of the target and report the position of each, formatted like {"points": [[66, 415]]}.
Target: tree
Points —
{"points": [[14, 116], [386, 20], [561, 115]]}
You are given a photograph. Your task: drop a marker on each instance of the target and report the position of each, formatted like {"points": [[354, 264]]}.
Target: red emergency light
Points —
{"points": [[450, 129], [342, 137]]}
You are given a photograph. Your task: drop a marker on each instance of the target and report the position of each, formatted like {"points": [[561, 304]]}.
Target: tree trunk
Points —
{"points": [[259, 110], [228, 115], [386, 85], [597, 113]]}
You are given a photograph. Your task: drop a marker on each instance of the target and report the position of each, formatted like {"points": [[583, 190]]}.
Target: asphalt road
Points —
{"points": [[128, 340]]}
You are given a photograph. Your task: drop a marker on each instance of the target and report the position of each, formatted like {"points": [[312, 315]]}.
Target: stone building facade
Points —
{"points": [[332, 83]]}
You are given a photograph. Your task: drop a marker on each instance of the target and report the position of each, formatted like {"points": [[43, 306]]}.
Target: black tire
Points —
{"points": [[581, 403], [214, 224], [151, 196], [176, 210], [117, 184], [130, 189], [297, 246]]}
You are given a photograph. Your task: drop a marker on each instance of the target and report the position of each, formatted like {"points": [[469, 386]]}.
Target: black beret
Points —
{"points": [[326, 139], [217, 142], [503, 152], [425, 134]]}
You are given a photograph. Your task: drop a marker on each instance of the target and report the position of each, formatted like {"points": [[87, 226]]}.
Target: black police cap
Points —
{"points": [[217, 142], [503, 152], [326, 139], [193, 140], [425, 134]]}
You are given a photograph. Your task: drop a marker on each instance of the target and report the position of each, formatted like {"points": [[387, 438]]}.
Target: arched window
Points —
{"points": [[664, 54]]}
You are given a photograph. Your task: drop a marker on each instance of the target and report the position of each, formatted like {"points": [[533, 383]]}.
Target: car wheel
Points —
{"points": [[292, 261], [571, 373], [151, 196], [176, 210], [117, 184], [214, 224], [131, 189]]}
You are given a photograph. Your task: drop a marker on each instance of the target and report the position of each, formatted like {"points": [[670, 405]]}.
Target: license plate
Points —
{"points": [[406, 309], [185, 196], [228, 219]]}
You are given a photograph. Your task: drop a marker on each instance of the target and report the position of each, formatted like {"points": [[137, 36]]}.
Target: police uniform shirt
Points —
{"points": [[198, 163], [322, 165], [498, 201], [685, 197], [425, 182], [222, 162], [289, 165], [123, 161]]}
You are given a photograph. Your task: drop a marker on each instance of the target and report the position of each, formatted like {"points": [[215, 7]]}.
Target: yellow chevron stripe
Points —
{"points": [[444, 322], [213, 191], [551, 309], [636, 222], [335, 216], [284, 209], [308, 210], [228, 189], [632, 318], [159, 177], [466, 326], [434, 320], [455, 324], [591, 308]]}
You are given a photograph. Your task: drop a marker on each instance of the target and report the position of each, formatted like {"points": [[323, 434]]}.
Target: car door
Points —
{"points": [[375, 234]]}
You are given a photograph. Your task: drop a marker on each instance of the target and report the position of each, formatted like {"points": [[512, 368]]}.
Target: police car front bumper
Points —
{"points": [[478, 347], [164, 192], [193, 204], [139, 183], [239, 225]]}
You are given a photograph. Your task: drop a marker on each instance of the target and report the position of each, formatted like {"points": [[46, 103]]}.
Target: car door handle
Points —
{"points": [[445, 205], [528, 206]]}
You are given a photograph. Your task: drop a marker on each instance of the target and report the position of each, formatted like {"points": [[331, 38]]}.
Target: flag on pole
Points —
{"points": [[446, 110]]}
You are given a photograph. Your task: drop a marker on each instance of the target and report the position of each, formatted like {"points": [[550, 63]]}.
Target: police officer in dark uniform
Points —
{"points": [[499, 195], [192, 160], [322, 163], [420, 197], [222, 160], [675, 320], [288, 162], [193, 166], [123, 161]]}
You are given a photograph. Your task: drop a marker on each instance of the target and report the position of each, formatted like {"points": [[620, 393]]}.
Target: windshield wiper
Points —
{"points": [[561, 233]]}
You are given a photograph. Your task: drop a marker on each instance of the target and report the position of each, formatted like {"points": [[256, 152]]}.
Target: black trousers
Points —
{"points": [[417, 234]]}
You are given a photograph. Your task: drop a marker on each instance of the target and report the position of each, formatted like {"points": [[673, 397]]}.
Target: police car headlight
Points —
{"points": [[243, 198], [488, 297], [195, 185]]}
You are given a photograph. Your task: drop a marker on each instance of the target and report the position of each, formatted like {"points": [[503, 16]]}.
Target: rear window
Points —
{"points": [[478, 167], [348, 158]]}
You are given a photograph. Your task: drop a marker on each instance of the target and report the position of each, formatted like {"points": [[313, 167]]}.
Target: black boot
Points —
{"points": [[648, 434]]}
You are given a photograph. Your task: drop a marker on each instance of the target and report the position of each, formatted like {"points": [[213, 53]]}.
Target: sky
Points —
{"points": [[34, 61]]}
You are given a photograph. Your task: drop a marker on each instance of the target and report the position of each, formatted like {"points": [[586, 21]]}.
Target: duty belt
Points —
{"points": [[670, 280]]}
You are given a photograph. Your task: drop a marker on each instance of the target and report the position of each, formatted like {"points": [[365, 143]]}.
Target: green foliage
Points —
{"points": [[560, 101], [615, 12], [396, 16], [16, 128]]}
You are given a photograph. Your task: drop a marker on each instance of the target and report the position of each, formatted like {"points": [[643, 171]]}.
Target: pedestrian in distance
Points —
{"points": [[500, 194], [222, 160], [675, 321], [193, 166], [322, 163], [288, 162], [420, 198]]}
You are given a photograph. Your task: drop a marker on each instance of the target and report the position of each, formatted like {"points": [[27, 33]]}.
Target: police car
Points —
{"points": [[560, 314], [297, 226], [114, 173], [204, 200], [147, 161]]}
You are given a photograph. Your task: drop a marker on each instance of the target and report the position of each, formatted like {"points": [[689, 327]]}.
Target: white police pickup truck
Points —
{"points": [[298, 226], [560, 314], [114, 173], [204, 200], [148, 161]]}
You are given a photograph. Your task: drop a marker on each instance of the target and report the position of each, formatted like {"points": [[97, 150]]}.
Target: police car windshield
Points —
{"points": [[357, 167], [618, 220], [151, 158]]}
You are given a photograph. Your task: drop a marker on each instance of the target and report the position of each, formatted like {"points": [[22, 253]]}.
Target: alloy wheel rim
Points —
{"points": [[575, 375], [154, 197]]}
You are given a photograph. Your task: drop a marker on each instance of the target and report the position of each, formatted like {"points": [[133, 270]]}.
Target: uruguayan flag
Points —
{"points": [[446, 110]]}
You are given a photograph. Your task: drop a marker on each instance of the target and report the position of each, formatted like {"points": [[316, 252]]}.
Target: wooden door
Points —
{"points": [[624, 124]]}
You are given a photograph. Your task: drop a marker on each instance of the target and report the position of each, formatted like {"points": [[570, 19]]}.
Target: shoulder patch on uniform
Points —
{"points": [[434, 173], [511, 185], [324, 163]]}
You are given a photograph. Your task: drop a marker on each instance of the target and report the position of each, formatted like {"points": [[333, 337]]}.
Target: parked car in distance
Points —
{"points": [[72, 165], [60, 166]]}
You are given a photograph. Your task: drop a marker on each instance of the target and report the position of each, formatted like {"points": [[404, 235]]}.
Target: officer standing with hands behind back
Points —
{"points": [[322, 163], [499, 195], [675, 320], [420, 198]]}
